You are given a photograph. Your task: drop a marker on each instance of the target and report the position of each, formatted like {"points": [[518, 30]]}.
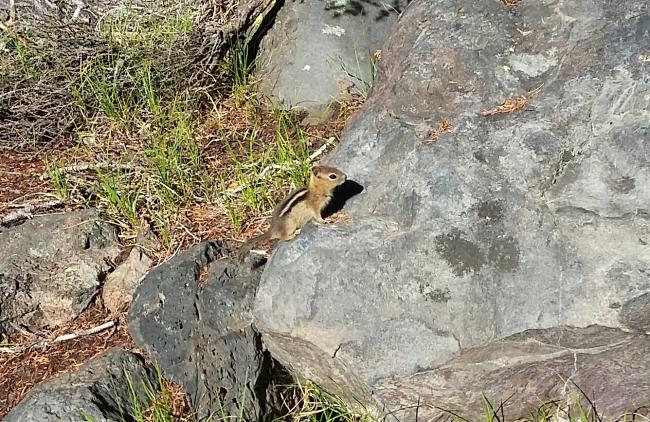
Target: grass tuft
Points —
{"points": [[59, 181], [239, 67], [161, 403], [314, 404]]}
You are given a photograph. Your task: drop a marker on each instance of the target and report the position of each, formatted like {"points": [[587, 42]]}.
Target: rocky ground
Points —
{"points": [[491, 260]]}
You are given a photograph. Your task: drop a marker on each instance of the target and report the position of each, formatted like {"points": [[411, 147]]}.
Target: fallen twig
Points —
{"points": [[26, 211], [12, 12], [10, 349], [82, 333], [321, 150], [84, 167]]}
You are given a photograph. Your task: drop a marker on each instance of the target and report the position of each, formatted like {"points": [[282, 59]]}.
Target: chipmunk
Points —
{"points": [[299, 207]]}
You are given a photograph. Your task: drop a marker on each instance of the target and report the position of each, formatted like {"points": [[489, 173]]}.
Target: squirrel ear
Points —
{"points": [[314, 170]]}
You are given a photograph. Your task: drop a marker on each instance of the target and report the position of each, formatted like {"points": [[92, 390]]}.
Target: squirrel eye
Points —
{"points": [[332, 176]]}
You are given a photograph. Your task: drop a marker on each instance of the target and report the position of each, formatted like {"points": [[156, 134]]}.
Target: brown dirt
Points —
{"points": [[20, 178], [24, 369]]}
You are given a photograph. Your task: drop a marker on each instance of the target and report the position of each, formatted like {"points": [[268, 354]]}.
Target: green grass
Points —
{"points": [[117, 190], [165, 171], [318, 405], [26, 56], [173, 156], [362, 76], [262, 170], [59, 180], [157, 405], [161, 152], [129, 82], [239, 67], [131, 91], [161, 406]]}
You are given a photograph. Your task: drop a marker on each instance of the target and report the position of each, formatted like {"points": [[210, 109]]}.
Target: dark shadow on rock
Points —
{"points": [[635, 313], [267, 23], [344, 192], [272, 374], [257, 261]]}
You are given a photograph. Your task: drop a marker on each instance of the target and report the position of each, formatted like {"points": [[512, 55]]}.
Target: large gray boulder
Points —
{"points": [[52, 267], [316, 50], [603, 365], [193, 316], [98, 391], [534, 219]]}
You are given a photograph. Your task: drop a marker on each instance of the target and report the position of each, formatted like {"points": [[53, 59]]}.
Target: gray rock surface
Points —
{"points": [[120, 285], [607, 364], [317, 49], [193, 315], [533, 219], [52, 266], [98, 389]]}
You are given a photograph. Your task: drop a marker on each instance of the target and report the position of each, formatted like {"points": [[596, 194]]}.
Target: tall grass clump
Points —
{"points": [[147, 402]]}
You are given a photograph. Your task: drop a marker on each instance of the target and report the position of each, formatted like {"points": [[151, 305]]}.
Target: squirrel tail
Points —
{"points": [[246, 247]]}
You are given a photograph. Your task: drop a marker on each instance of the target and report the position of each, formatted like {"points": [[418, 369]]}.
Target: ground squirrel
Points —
{"points": [[299, 207]]}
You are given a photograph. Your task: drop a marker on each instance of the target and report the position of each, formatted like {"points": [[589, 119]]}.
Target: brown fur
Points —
{"points": [[299, 207]]}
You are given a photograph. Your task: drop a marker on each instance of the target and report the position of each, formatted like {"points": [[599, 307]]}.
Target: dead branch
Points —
{"points": [[26, 211], [42, 343], [82, 333], [85, 167]]}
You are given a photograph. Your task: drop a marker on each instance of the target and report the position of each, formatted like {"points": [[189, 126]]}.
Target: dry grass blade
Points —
{"points": [[512, 104], [443, 127], [524, 32]]}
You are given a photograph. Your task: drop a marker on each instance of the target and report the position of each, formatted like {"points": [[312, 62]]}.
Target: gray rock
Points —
{"points": [[193, 315], [52, 267], [120, 285], [561, 363], [529, 220], [635, 313], [317, 49], [98, 389]]}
